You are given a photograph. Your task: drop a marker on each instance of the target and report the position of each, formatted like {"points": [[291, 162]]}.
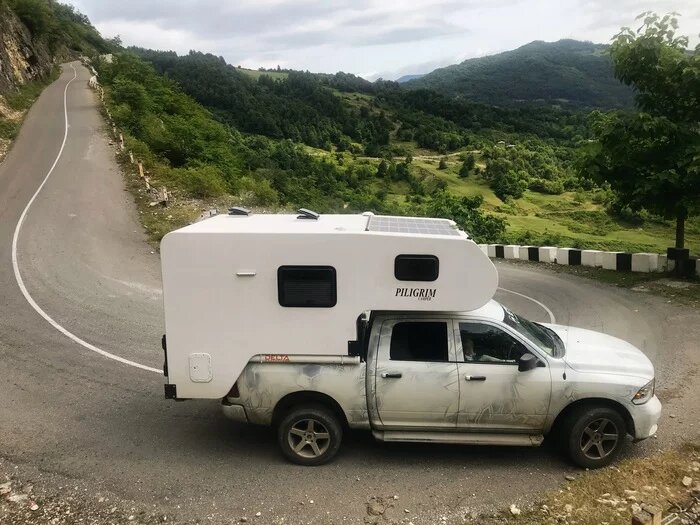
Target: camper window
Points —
{"points": [[416, 267], [419, 341], [306, 286]]}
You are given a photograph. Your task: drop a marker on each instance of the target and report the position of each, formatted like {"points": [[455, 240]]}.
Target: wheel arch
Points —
{"points": [[305, 397], [593, 401]]}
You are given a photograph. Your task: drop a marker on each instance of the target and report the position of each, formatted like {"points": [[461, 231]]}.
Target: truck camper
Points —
{"points": [[317, 323]]}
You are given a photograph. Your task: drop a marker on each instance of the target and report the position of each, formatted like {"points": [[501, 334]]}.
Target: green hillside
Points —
{"points": [[339, 143], [567, 72]]}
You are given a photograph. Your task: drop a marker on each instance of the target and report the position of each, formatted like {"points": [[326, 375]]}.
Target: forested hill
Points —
{"points": [[567, 72], [345, 112], [302, 107]]}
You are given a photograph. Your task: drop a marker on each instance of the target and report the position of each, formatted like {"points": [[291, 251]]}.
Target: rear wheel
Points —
{"points": [[310, 435], [594, 436]]}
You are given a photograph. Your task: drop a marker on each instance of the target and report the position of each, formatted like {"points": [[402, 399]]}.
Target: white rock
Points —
{"points": [[515, 511], [34, 506], [687, 481], [396, 497], [258, 514], [568, 508]]}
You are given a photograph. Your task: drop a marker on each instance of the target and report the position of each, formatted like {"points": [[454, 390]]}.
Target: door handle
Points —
{"points": [[475, 378], [391, 375]]}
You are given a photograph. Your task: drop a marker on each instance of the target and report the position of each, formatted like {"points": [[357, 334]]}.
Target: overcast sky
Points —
{"points": [[371, 38]]}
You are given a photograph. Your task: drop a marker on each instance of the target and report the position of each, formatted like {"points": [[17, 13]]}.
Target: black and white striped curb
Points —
{"points": [[619, 261]]}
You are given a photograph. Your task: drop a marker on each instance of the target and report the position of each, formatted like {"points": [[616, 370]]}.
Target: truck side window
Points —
{"points": [[483, 343], [419, 341]]}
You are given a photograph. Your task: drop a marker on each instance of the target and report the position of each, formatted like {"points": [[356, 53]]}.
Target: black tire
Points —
{"points": [[594, 436], [310, 435]]}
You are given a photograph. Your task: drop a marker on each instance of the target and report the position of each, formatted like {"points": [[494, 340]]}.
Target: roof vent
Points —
{"points": [[238, 211], [307, 214]]}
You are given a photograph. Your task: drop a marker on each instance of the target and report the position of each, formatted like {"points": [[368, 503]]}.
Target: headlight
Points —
{"points": [[644, 394]]}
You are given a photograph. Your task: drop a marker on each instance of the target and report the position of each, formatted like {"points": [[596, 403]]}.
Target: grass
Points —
{"points": [[563, 220], [255, 74], [603, 496]]}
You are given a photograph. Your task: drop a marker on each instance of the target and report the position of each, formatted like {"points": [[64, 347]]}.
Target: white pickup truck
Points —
{"points": [[481, 377], [315, 324]]}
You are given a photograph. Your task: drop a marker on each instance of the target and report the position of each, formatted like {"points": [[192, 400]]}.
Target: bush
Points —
{"points": [[466, 212], [35, 14], [551, 187], [508, 185], [200, 182]]}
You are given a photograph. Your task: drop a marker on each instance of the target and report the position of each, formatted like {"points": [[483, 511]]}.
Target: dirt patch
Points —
{"points": [[670, 481], [7, 113]]}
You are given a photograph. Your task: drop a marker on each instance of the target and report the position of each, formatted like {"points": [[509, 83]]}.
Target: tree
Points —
{"points": [[443, 164], [467, 166], [651, 158], [466, 212], [508, 184]]}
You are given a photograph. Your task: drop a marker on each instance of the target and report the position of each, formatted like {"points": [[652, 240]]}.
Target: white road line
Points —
{"points": [[552, 319], [15, 265]]}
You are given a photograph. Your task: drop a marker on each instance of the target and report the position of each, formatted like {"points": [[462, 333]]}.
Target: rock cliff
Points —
{"points": [[21, 59]]}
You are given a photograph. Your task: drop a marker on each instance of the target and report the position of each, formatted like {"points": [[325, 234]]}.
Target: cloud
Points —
{"points": [[387, 36]]}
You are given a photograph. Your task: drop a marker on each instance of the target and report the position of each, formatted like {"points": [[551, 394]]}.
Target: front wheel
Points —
{"points": [[310, 435], [595, 436]]}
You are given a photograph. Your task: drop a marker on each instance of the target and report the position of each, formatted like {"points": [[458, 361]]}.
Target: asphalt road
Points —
{"points": [[73, 417]]}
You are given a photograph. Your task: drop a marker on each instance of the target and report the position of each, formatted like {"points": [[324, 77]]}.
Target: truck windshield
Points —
{"points": [[543, 337]]}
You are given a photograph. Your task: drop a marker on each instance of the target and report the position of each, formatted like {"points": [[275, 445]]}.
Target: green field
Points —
{"points": [[254, 73], [569, 219]]}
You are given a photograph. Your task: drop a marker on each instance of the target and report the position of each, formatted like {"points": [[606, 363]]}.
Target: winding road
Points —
{"points": [[81, 402]]}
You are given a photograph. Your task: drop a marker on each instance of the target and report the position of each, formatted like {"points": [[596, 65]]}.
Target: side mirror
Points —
{"points": [[527, 362]]}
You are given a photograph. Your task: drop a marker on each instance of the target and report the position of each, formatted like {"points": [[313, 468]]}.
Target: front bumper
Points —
{"points": [[646, 418], [234, 412]]}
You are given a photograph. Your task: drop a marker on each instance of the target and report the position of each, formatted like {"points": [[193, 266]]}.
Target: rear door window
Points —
{"points": [[419, 341]]}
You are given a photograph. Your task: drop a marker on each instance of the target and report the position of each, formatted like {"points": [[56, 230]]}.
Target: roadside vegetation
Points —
{"points": [[60, 26]]}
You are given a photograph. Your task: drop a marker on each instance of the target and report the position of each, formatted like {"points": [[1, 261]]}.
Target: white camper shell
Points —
{"points": [[242, 286]]}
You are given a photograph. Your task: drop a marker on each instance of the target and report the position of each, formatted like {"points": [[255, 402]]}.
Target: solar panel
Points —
{"points": [[380, 223]]}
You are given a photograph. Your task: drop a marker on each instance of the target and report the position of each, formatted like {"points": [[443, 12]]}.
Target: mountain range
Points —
{"points": [[568, 73]]}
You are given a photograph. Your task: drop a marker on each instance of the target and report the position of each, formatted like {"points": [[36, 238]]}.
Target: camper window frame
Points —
{"points": [[333, 298], [404, 272]]}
